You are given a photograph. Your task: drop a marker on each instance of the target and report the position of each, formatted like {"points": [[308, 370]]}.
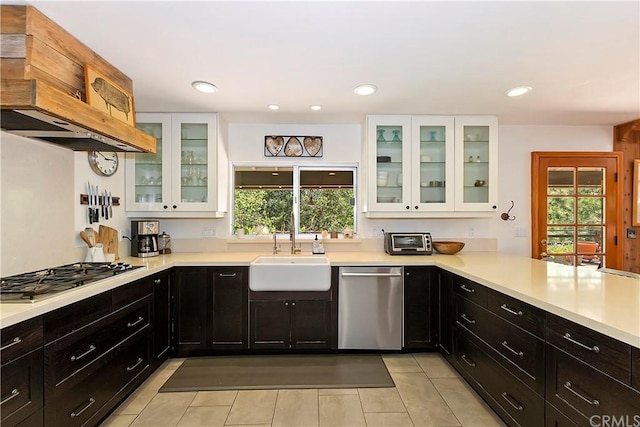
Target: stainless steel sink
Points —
{"points": [[290, 273]]}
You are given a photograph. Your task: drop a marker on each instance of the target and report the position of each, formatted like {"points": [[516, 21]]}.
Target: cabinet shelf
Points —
{"points": [[428, 141]]}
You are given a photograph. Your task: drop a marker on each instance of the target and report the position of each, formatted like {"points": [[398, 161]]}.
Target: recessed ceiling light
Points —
{"points": [[367, 89], [316, 107], [204, 87], [519, 90], [273, 107]]}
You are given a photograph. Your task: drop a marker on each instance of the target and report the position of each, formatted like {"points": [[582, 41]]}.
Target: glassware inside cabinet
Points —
{"points": [[432, 164], [148, 168], [476, 164], [389, 180], [194, 163]]}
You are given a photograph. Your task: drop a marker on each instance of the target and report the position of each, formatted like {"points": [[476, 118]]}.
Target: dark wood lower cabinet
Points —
{"points": [[446, 314], [161, 318], [210, 310], [420, 308], [22, 390], [555, 418], [291, 325]]}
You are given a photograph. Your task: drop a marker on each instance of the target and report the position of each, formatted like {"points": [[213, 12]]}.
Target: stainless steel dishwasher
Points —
{"points": [[370, 308]]}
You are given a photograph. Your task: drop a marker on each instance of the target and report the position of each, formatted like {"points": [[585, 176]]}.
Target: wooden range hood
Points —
{"points": [[42, 87]]}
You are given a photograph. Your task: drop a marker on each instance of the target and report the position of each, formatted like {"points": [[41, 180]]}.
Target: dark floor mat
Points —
{"points": [[273, 372]]}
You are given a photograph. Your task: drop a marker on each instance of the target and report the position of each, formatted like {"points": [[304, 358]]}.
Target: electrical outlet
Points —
{"points": [[472, 230], [378, 232], [208, 232], [631, 233]]}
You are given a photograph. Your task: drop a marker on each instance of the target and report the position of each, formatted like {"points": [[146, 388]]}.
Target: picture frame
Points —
{"points": [[293, 146], [105, 95], [635, 220]]}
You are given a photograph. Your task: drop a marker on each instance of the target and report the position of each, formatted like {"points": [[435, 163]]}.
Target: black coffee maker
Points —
{"points": [[144, 238]]}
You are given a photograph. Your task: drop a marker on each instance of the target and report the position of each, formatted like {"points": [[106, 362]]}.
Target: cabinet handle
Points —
{"points": [[408, 207], [517, 353], [293, 304], [470, 363], [91, 348], [569, 387], [166, 207], [595, 348], [175, 206], [416, 207], [464, 288], [90, 402], [14, 393], [286, 303], [508, 310], [137, 322], [13, 342], [228, 274], [511, 401], [131, 368], [464, 317]]}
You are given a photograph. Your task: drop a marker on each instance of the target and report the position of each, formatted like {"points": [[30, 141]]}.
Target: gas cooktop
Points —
{"points": [[38, 285]]}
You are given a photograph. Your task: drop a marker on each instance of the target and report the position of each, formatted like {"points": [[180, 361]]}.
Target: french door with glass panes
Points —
{"points": [[576, 208]]}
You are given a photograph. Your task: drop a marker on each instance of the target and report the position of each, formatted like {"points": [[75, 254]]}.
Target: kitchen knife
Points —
{"points": [[105, 203], [89, 202], [110, 205]]}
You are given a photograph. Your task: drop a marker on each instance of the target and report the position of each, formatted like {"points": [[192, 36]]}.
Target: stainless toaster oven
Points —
{"points": [[408, 243]]}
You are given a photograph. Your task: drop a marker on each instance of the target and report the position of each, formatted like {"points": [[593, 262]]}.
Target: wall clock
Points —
{"points": [[105, 164]]}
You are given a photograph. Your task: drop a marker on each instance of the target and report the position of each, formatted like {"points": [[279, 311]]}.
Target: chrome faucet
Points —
{"points": [[276, 248], [292, 235]]}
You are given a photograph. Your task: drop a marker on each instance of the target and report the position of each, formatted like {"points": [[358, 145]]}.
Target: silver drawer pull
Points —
{"points": [[595, 348], [511, 401], [464, 288], [131, 368], [228, 274], [13, 342], [14, 393], [137, 322], [90, 402], [569, 387], [508, 310], [464, 316], [517, 353], [470, 363], [89, 350]]}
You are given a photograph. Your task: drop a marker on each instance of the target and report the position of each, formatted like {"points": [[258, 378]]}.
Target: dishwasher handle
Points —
{"points": [[346, 274]]}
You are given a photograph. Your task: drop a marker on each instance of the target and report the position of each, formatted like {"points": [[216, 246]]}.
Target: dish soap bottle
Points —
{"points": [[317, 246]]}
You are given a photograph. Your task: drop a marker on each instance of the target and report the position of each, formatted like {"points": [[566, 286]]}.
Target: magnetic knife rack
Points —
{"points": [[84, 200]]}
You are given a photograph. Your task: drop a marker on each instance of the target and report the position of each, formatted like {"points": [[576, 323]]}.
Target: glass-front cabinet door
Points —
{"points": [[432, 161], [148, 185], [193, 156], [181, 177], [476, 163], [389, 159]]}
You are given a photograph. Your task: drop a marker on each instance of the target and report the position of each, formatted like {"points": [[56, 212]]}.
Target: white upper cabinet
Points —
{"points": [[179, 181], [425, 166]]}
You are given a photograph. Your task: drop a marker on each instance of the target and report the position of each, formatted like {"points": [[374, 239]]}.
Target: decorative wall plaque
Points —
{"points": [[292, 146]]}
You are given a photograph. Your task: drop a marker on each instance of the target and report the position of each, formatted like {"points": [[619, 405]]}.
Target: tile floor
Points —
{"points": [[428, 392]]}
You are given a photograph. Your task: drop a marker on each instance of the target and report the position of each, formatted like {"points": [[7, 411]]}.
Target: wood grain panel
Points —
{"points": [[627, 140], [12, 68], [66, 44], [56, 64], [13, 46], [17, 93], [13, 19]]}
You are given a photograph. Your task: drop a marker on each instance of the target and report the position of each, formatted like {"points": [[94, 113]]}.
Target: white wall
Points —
{"points": [[40, 184]]}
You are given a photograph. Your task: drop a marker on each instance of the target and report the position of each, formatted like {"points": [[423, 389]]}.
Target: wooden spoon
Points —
{"points": [[91, 236], [85, 238]]}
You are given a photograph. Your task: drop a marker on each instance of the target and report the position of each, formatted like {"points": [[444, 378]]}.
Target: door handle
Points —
{"points": [[344, 274]]}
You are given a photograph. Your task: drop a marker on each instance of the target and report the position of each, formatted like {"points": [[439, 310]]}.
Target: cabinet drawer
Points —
{"points": [[74, 352], [529, 318], [20, 339], [125, 294], [581, 392], [67, 319], [514, 398], [77, 405], [470, 290], [517, 351], [21, 388], [604, 353]]}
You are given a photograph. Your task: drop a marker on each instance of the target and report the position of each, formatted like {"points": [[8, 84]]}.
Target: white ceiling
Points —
{"points": [[426, 57]]}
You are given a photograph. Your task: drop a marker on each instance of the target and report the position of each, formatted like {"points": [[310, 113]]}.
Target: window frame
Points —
{"points": [[297, 169]]}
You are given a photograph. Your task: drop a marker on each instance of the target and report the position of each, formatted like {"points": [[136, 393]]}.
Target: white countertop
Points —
{"points": [[606, 303]]}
